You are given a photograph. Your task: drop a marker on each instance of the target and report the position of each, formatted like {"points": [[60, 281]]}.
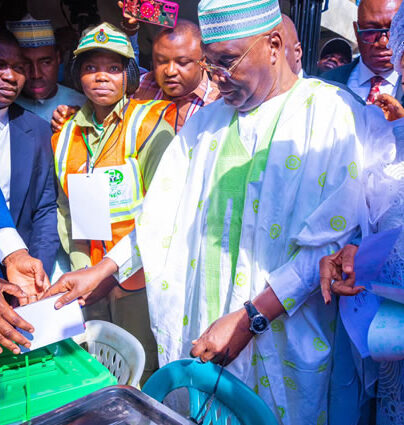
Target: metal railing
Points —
{"points": [[306, 14]]}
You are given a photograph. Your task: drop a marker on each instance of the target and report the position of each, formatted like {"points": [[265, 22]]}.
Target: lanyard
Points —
{"points": [[93, 156]]}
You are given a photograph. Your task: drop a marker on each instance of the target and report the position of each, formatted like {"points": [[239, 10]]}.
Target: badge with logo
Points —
{"points": [[115, 180], [101, 37]]}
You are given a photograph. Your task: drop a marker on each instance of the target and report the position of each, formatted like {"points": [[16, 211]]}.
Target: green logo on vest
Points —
{"points": [[115, 176], [115, 179]]}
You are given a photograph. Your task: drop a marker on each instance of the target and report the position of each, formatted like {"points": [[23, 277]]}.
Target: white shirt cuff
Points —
{"points": [[288, 287], [10, 241], [125, 254]]}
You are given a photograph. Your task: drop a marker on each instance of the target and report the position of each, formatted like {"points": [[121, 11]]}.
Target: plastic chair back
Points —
{"points": [[116, 349], [234, 403]]}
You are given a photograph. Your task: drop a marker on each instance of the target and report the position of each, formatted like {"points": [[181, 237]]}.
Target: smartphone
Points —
{"points": [[157, 12]]}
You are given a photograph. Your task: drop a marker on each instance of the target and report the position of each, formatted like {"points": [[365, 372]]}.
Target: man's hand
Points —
{"points": [[80, 284], [129, 24], [332, 267], [391, 107], [223, 341], [60, 115], [9, 318], [28, 273]]}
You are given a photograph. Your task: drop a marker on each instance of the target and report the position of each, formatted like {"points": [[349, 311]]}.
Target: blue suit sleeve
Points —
{"points": [[5, 217], [44, 241]]}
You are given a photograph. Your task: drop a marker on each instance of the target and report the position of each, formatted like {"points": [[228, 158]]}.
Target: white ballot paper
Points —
{"points": [[89, 206], [358, 312], [50, 325]]}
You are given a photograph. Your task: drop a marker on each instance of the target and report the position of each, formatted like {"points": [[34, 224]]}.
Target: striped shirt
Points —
{"points": [[206, 92]]}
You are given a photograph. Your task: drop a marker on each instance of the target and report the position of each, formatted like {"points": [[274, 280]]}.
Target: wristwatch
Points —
{"points": [[258, 322]]}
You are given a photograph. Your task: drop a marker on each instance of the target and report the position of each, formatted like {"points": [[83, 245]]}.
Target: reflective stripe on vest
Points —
{"points": [[61, 152], [66, 138]]}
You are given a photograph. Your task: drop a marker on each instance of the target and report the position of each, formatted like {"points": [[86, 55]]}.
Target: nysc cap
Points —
{"points": [[108, 37]]}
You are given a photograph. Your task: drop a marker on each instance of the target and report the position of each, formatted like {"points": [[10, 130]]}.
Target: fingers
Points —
{"points": [[61, 114], [325, 284], [39, 273], [348, 258], [66, 299], [58, 288], [327, 272], [8, 334], [23, 301], [14, 319], [339, 288], [46, 283], [199, 347], [13, 290]]}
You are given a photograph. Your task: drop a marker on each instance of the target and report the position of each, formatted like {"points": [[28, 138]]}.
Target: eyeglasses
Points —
{"points": [[372, 36], [223, 72]]}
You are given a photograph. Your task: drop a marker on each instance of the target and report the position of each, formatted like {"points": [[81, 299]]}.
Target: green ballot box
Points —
{"points": [[47, 378]]}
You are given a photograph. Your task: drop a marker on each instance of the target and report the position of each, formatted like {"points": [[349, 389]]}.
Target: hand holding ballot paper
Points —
{"points": [[374, 318], [37, 324], [9, 318]]}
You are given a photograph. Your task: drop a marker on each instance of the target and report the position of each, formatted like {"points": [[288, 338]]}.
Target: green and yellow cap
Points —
{"points": [[108, 37]]}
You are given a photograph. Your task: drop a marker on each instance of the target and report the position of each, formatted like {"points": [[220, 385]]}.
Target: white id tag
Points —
{"points": [[89, 206]]}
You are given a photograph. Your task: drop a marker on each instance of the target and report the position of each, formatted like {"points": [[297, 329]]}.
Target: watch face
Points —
{"points": [[259, 324]]}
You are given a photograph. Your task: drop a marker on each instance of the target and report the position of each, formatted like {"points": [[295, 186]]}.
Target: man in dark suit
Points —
{"points": [[27, 179], [372, 72]]}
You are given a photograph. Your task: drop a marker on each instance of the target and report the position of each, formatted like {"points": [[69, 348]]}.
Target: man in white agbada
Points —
{"points": [[253, 191]]}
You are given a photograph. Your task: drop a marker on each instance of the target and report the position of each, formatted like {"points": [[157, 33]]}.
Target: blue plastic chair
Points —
{"points": [[234, 403]]}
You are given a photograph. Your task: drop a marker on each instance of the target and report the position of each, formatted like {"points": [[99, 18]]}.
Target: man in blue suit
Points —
{"points": [[27, 179], [21, 268], [372, 72]]}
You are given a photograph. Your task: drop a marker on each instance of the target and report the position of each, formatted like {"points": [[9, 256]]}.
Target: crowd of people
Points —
{"points": [[212, 206]]}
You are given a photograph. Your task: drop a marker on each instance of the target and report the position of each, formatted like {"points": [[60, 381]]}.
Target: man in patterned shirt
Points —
{"points": [[177, 75]]}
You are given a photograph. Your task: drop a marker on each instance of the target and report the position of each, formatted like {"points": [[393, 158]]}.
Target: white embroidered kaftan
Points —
{"points": [[210, 241]]}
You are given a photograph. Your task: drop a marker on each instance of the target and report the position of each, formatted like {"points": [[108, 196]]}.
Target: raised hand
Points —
{"points": [[332, 268], [27, 273]]}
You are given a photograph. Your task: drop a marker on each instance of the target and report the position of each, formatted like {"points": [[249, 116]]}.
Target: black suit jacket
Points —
{"points": [[33, 190], [342, 74]]}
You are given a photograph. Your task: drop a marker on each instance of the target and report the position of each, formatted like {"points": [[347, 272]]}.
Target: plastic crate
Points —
{"points": [[55, 375]]}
